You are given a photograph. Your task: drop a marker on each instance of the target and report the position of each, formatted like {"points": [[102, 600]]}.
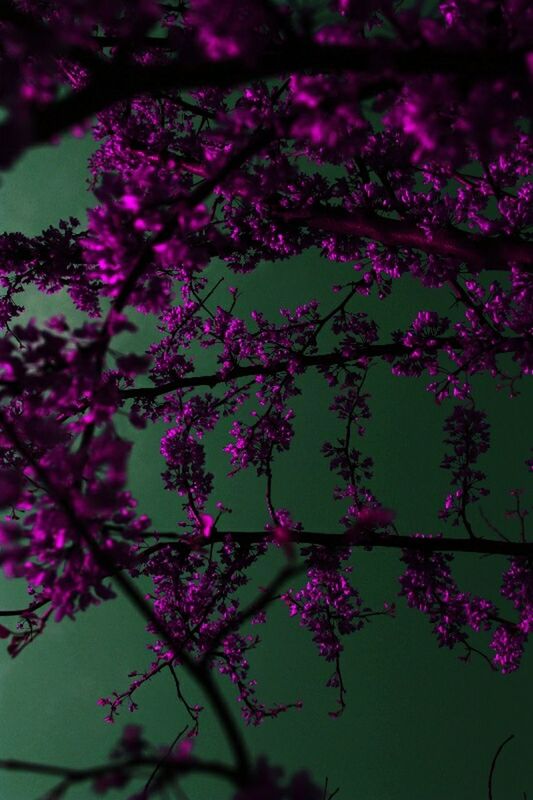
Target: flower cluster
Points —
{"points": [[328, 606], [428, 585], [468, 434]]}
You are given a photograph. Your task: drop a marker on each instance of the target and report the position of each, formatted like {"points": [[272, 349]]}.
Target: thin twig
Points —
{"points": [[161, 762], [493, 765]]}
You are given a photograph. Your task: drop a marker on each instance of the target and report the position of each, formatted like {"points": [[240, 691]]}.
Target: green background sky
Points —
{"points": [[420, 724]]}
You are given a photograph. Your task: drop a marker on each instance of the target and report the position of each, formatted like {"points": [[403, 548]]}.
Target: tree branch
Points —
{"points": [[365, 540], [376, 62], [197, 670], [261, 602], [259, 139], [493, 764], [391, 349], [482, 252], [77, 775]]}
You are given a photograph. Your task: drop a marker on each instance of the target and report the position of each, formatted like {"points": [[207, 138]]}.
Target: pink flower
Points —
{"points": [[283, 537], [370, 518], [375, 517], [207, 524]]}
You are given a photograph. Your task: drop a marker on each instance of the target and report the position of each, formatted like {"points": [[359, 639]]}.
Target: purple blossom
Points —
{"points": [[428, 585]]}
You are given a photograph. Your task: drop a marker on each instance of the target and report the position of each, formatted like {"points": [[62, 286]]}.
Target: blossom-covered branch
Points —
{"points": [[301, 362], [395, 141], [478, 252], [369, 541], [379, 67]]}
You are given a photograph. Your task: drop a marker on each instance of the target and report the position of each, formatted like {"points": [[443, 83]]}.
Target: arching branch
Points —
{"points": [[479, 252], [380, 65], [389, 350]]}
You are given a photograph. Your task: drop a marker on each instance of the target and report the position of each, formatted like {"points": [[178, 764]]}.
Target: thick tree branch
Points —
{"points": [[480, 252], [361, 539], [77, 775], [379, 63]]}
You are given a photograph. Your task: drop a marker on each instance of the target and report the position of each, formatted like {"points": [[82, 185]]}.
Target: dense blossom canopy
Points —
{"points": [[391, 137]]}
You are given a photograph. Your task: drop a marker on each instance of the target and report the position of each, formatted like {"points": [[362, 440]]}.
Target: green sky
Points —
{"points": [[420, 724]]}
